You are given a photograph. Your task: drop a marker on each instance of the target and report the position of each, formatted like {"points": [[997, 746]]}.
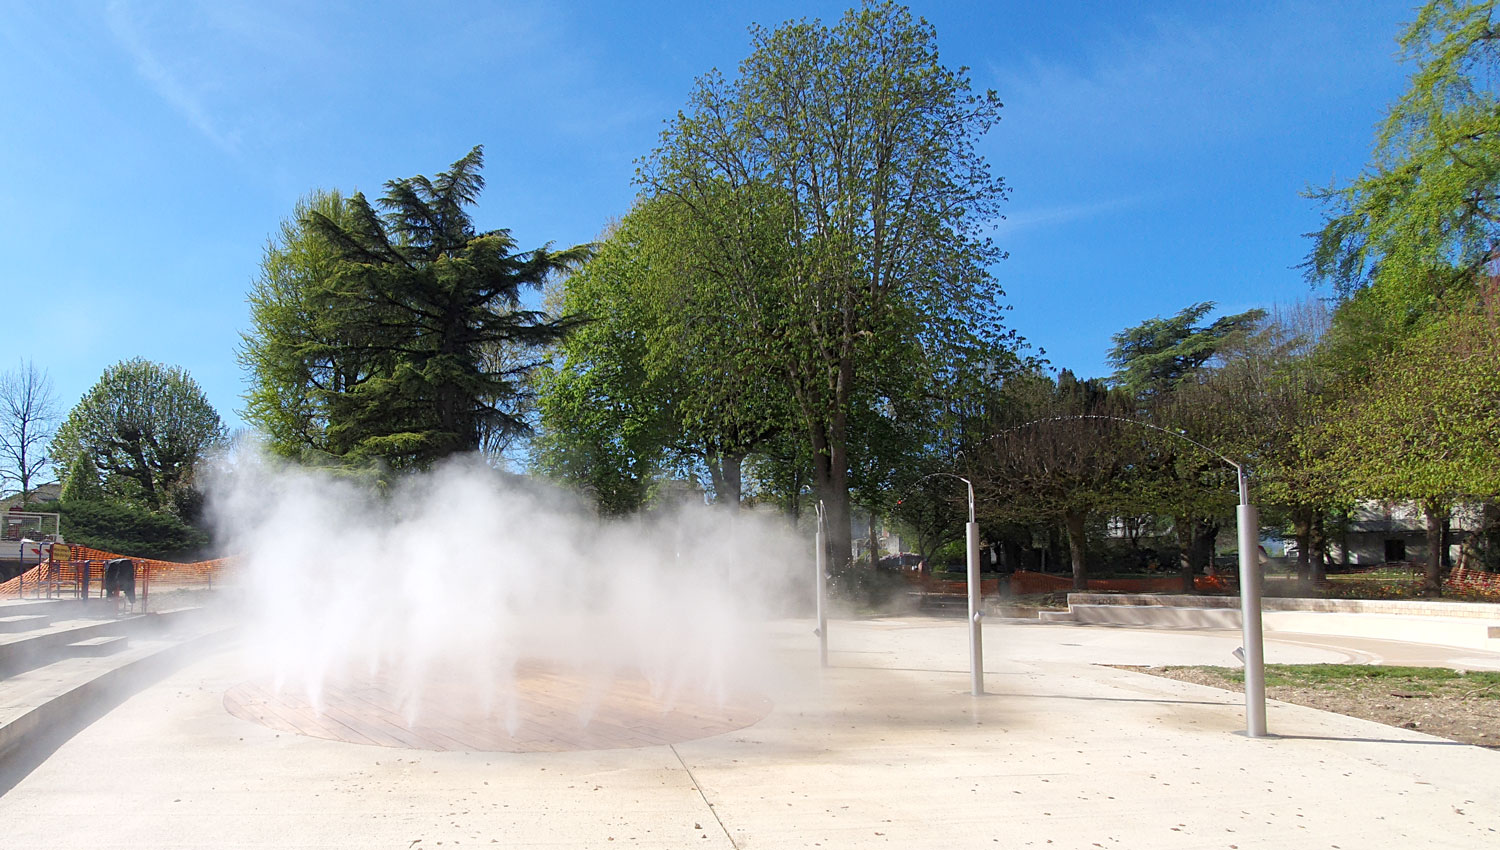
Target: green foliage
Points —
{"points": [[83, 483], [1424, 427], [1155, 357], [1421, 219], [399, 363], [856, 149], [657, 378], [145, 427], [129, 529], [1047, 459], [296, 355]]}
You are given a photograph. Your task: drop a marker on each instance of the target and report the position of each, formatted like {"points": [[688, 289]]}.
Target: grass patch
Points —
{"points": [[1416, 679], [1383, 574]]}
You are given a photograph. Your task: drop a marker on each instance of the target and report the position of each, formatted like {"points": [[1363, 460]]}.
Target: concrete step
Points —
{"points": [[1156, 616], [44, 705], [27, 650], [1055, 617], [23, 622], [97, 646]]}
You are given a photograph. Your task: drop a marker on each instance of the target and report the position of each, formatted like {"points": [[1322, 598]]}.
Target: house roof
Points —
{"points": [[48, 492]]}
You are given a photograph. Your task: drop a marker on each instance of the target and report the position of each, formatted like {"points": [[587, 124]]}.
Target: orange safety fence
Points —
{"points": [[1473, 581], [66, 575], [928, 584], [1024, 582]]}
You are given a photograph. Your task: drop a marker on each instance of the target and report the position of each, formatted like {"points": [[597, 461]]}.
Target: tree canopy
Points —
{"points": [[1423, 217], [395, 332], [857, 147], [145, 427], [1153, 358], [656, 376], [295, 356], [28, 416]]}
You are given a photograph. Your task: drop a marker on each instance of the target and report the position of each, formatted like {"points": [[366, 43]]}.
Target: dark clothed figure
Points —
{"points": [[119, 577]]}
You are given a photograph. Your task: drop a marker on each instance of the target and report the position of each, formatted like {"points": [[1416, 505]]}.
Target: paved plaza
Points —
{"points": [[886, 748]]}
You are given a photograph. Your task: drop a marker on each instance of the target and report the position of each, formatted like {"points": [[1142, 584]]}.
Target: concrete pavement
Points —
{"points": [[886, 748]]}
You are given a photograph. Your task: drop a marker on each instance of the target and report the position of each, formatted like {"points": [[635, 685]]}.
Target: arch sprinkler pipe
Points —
{"points": [[976, 611], [1248, 526], [820, 563]]}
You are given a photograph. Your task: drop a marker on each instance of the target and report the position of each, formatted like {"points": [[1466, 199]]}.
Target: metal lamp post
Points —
{"points": [[976, 610], [21, 576], [1250, 621], [820, 562], [1248, 528]]}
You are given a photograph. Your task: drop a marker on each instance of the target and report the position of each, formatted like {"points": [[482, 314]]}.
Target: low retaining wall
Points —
{"points": [[1408, 607], [1461, 624], [1024, 581]]}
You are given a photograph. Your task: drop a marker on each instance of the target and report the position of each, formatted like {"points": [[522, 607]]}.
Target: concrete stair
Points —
{"points": [[1155, 616], [75, 661], [23, 622], [95, 647]]}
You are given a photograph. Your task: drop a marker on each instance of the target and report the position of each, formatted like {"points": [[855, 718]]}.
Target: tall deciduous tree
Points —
{"points": [[658, 370], [1425, 427], [421, 300], [145, 427], [1153, 362], [1058, 455], [28, 417], [866, 145], [1273, 386], [296, 356], [1424, 215], [606, 424]]}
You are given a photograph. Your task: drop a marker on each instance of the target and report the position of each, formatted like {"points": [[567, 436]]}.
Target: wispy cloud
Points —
{"points": [[168, 85], [1036, 218], [1177, 82]]}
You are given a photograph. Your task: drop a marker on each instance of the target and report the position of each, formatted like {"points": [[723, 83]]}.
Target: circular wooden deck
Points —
{"points": [[551, 711]]}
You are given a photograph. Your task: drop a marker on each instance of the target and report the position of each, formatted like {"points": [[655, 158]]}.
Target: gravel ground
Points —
{"points": [[1459, 709]]}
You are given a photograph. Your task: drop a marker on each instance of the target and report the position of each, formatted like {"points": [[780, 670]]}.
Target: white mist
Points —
{"points": [[463, 575]]}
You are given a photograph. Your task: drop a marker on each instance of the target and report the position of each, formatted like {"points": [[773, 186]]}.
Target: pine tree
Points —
{"points": [[422, 301]]}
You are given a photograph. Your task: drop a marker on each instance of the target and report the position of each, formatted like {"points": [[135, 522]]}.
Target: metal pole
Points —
{"points": [[21, 576], [820, 560], [1254, 640], [976, 612]]}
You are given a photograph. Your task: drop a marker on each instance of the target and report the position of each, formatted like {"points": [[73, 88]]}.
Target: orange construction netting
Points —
{"points": [[69, 569]]}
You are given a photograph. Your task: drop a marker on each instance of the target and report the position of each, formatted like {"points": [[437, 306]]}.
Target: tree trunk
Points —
{"points": [[1319, 539], [732, 471], [1445, 539], [1432, 578], [1302, 531], [1183, 527], [1010, 554], [1074, 520], [1343, 520], [1205, 536], [831, 483], [874, 543]]}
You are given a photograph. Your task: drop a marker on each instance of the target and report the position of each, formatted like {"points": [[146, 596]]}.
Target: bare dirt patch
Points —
{"points": [[1450, 704]]}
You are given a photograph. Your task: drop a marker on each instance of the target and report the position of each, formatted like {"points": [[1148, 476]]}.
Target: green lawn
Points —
{"points": [[1414, 679]]}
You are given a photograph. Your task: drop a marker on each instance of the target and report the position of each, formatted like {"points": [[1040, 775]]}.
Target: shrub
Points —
{"points": [[128, 529]]}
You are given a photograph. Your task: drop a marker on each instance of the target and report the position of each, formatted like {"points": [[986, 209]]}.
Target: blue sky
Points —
{"points": [[1156, 151]]}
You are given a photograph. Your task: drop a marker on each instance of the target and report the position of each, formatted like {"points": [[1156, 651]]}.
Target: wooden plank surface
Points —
{"points": [[542, 709]]}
